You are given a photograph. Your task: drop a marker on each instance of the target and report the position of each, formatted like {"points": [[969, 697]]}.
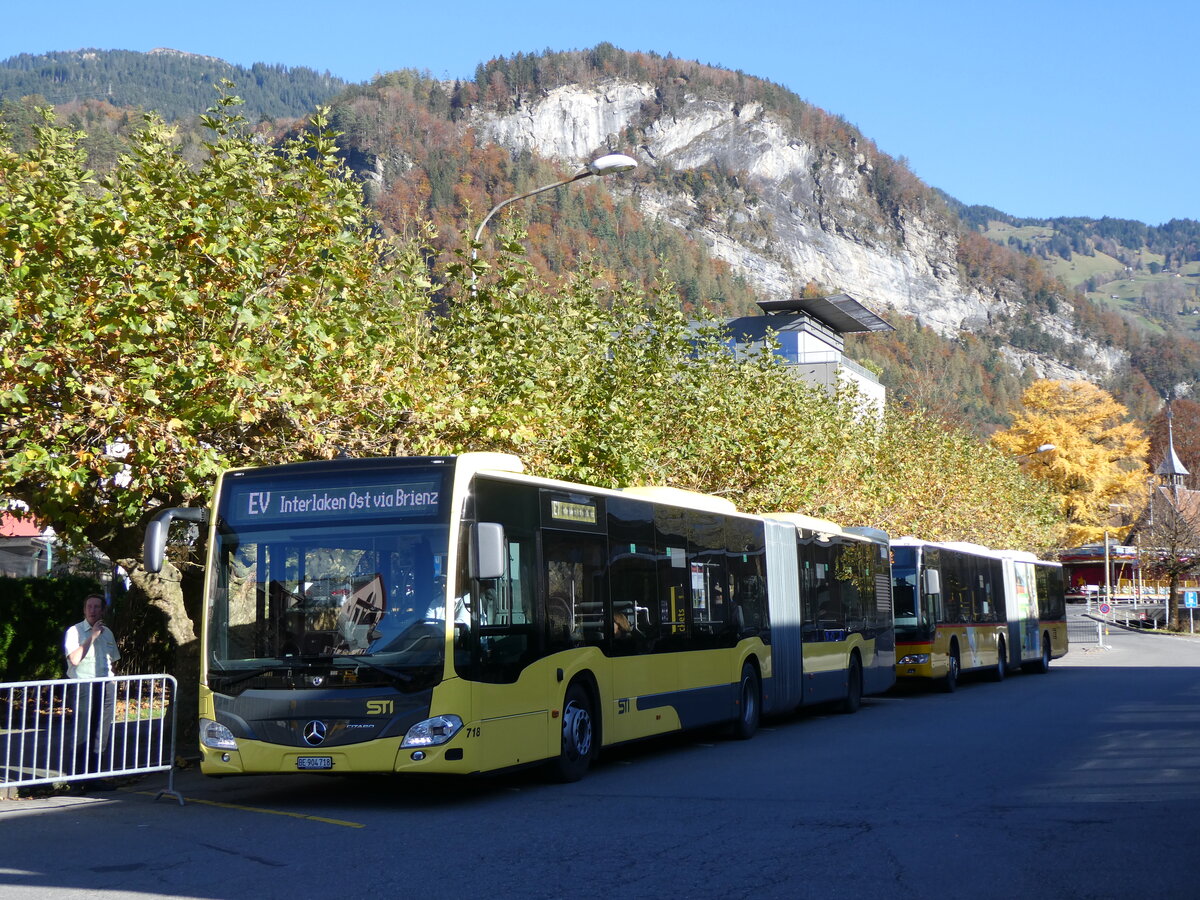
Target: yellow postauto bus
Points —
{"points": [[962, 607], [453, 615]]}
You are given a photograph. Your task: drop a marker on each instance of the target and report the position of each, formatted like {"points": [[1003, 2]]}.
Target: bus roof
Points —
{"points": [[824, 526], [680, 497]]}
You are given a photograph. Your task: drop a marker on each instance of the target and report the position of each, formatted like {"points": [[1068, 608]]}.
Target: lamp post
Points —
{"points": [[612, 164]]}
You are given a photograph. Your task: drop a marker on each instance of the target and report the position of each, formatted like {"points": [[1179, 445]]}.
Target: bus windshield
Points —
{"points": [[347, 572], [906, 597]]}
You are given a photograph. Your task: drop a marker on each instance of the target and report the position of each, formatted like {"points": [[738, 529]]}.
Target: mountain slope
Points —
{"points": [[1146, 276], [807, 199], [744, 192]]}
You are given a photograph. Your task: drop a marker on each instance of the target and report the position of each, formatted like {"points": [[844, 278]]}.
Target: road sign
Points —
{"points": [[1191, 599], [1105, 609]]}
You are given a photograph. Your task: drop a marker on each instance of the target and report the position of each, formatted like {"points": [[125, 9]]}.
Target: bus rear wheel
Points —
{"points": [[578, 735], [749, 704], [854, 686], [1001, 669], [950, 682], [1042, 665]]}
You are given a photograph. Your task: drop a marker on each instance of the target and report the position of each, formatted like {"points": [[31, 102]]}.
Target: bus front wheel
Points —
{"points": [[578, 735]]}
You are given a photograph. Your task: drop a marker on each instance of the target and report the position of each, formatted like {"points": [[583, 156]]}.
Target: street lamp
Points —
{"points": [[612, 164], [1044, 448]]}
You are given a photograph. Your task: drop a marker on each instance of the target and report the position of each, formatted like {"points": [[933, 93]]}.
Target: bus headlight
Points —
{"points": [[913, 659], [432, 732], [216, 736]]}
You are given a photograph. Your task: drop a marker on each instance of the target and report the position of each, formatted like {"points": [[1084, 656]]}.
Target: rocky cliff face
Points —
{"points": [[806, 212]]}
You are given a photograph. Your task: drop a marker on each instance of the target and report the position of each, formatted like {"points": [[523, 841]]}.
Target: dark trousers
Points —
{"points": [[89, 717]]}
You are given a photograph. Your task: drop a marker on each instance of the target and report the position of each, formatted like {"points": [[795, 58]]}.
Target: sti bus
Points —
{"points": [[962, 607], [453, 615]]}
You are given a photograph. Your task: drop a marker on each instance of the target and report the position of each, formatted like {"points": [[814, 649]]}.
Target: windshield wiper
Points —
{"points": [[361, 661], [228, 681]]}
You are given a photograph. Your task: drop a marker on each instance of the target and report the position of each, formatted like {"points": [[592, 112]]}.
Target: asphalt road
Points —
{"points": [[1083, 783]]}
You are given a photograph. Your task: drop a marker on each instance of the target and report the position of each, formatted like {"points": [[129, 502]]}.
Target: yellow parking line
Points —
{"points": [[259, 809]]}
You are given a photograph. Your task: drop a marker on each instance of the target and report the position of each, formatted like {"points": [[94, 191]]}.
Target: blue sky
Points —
{"points": [[1036, 107]]}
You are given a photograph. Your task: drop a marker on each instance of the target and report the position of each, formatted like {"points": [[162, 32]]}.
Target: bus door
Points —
{"points": [[648, 602], [709, 608], [823, 621], [1023, 626], [577, 618], [497, 645]]}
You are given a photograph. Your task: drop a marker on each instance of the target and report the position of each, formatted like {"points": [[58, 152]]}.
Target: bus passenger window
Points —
{"points": [[575, 590], [747, 577], [632, 573]]}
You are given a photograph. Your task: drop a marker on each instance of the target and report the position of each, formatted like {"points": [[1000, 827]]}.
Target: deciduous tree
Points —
{"points": [[1097, 460], [164, 322], [607, 386]]}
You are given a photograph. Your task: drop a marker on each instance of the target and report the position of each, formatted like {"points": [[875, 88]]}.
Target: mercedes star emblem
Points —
{"points": [[314, 733]]}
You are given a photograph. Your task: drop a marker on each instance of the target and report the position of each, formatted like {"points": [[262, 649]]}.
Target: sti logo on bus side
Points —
{"points": [[380, 707]]}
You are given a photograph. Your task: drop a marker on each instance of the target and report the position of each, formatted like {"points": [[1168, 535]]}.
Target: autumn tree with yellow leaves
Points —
{"points": [[1077, 438]]}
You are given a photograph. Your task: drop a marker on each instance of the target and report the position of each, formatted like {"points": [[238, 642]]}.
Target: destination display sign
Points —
{"points": [[262, 503], [573, 512]]}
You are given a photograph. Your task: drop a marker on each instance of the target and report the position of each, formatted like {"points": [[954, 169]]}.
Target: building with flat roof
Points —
{"points": [[810, 332]]}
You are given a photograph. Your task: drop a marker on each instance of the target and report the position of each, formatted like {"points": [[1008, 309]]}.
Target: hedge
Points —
{"points": [[34, 613]]}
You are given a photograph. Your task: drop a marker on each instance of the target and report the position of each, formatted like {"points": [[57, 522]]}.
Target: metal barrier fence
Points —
{"points": [[88, 728], [1085, 631]]}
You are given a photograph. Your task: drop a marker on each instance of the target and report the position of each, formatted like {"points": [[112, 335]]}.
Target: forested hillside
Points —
{"points": [[418, 145], [174, 84], [1147, 275]]}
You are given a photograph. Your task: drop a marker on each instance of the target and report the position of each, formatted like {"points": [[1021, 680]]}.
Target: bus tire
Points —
{"points": [[1041, 665], [578, 735], [854, 685], [749, 704], [950, 681], [1001, 669]]}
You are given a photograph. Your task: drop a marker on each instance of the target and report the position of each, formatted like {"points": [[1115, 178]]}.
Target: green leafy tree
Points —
{"points": [[164, 322], [608, 386]]}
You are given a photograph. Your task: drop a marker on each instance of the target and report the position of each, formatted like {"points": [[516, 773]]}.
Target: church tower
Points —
{"points": [[1171, 471]]}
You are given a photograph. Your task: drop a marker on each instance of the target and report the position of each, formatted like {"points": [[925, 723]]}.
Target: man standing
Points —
{"points": [[91, 650]]}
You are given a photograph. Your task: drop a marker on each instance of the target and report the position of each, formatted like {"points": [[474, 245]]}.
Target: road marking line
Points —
{"points": [[259, 809]]}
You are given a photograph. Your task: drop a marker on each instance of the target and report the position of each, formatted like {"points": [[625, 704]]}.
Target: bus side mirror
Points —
{"points": [[933, 582], [487, 550], [155, 544]]}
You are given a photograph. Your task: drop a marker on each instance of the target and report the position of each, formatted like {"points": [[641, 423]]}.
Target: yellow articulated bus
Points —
{"points": [[961, 607], [453, 615]]}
